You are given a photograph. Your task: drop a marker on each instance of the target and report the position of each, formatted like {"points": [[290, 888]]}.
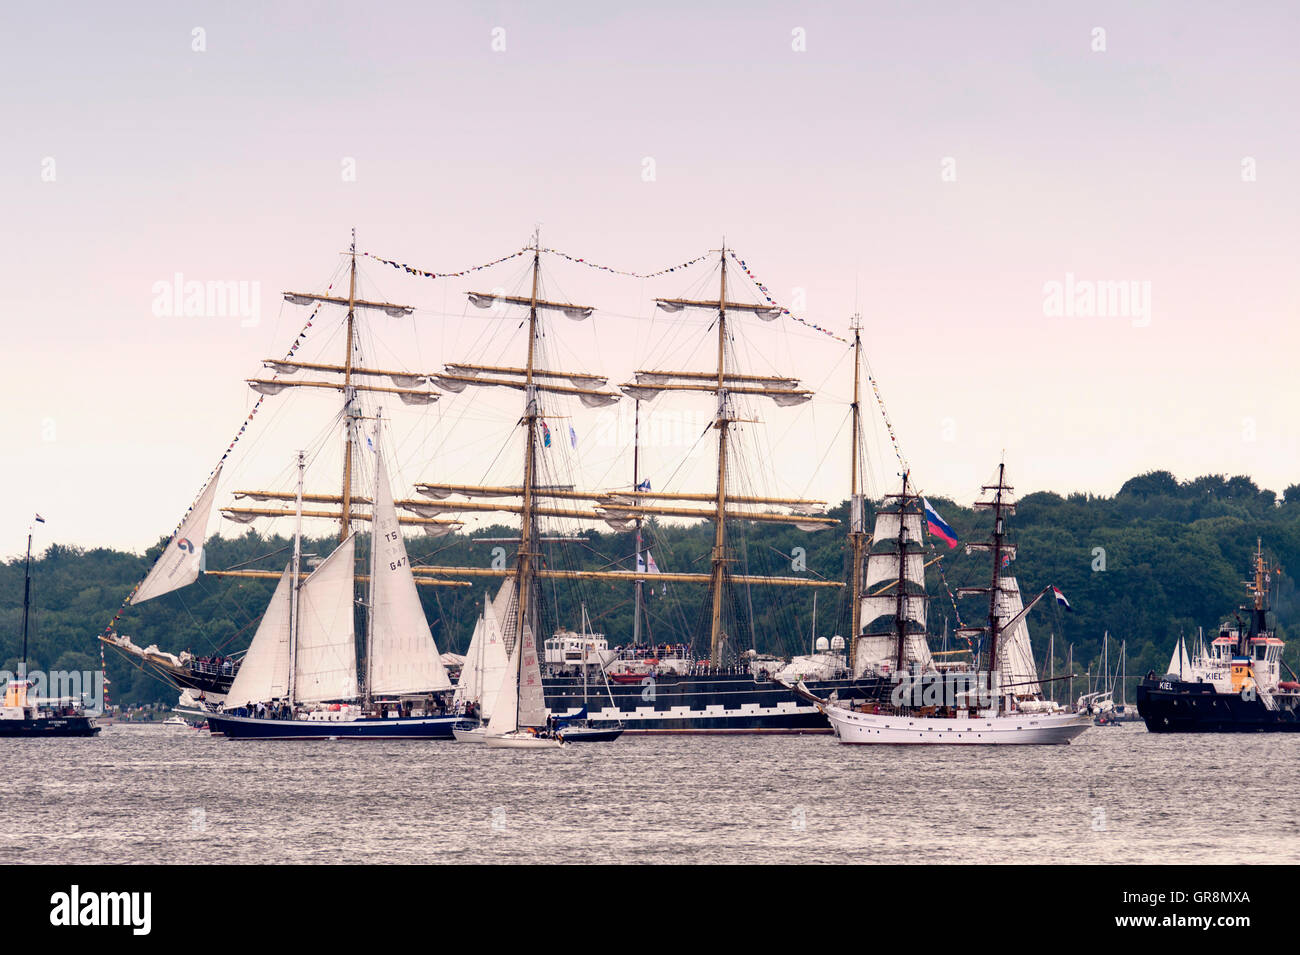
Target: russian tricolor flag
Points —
{"points": [[938, 526], [1060, 599]]}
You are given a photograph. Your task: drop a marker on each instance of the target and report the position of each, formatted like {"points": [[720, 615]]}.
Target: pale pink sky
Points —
{"points": [[822, 168]]}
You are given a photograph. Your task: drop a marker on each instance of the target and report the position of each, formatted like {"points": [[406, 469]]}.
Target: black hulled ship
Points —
{"points": [[1232, 686], [24, 714]]}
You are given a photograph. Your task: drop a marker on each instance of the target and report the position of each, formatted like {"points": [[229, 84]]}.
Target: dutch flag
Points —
{"points": [[938, 526], [1060, 599]]}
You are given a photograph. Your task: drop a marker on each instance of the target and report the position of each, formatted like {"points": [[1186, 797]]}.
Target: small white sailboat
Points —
{"points": [[519, 719], [486, 663]]}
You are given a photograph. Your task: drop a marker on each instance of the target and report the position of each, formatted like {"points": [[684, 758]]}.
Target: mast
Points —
{"points": [[27, 601], [900, 621], [374, 551], [720, 520], [857, 516], [295, 582], [524, 563], [349, 394], [1002, 506], [636, 480]]}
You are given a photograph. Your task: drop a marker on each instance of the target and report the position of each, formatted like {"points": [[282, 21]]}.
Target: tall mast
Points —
{"points": [[994, 623], [349, 394], [27, 600], [900, 618], [294, 581], [636, 482], [720, 520], [374, 550], [524, 564], [857, 515]]}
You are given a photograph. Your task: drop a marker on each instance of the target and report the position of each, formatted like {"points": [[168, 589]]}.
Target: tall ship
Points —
{"points": [[25, 714], [646, 686], [994, 699], [1235, 684], [343, 648], [705, 678]]}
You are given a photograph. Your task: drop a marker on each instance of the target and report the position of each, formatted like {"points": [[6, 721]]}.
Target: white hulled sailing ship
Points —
{"points": [[999, 701]]}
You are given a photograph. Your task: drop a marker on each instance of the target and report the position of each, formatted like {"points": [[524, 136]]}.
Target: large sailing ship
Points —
{"points": [[1235, 684], [302, 676], [996, 698], [719, 686], [672, 688]]}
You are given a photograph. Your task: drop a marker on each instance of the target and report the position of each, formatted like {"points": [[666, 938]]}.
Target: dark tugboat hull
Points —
{"points": [[246, 727], [44, 727], [705, 704], [1171, 706]]}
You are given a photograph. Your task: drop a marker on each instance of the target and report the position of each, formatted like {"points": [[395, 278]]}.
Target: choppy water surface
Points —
{"points": [[168, 794]]}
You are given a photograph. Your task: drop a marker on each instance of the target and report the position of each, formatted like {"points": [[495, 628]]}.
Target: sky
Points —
{"points": [[972, 179]]}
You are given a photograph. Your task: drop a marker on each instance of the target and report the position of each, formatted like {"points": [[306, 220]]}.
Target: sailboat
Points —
{"points": [[520, 719], [986, 706], [486, 662], [299, 679]]}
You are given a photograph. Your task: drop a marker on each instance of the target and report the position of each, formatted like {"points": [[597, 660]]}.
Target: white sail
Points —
{"points": [[505, 717], [1180, 662], [469, 688], [1016, 657], [532, 703], [519, 701], [264, 674], [182, 558], [494, 659], [326, 651], [875, 649], [873, 608], [887, 528], [883, 568], [402, 654]]}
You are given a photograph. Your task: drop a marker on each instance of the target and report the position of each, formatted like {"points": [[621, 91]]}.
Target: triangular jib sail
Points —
{"points": [[182, 558], [264, 674]]}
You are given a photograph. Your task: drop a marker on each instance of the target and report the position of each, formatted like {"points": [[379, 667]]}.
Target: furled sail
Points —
{"points": [[402, 653], [182, 558], [264, 674], [326, 651]]}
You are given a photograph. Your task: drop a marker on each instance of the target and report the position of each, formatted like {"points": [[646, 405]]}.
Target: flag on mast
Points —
{"points": [[1060, 599], [938, 526]]}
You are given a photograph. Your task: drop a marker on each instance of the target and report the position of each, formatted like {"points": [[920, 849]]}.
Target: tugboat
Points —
{"points": [[1235, 685], [26, 715]]}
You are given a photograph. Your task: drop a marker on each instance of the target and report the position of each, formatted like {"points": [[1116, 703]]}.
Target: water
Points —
{"points": [[140, 794]]}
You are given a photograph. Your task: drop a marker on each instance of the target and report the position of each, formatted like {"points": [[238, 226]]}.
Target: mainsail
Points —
{"points": [[182, 558], [264, 674], [403, 656], [1180, 662], [519, 702], [326, 650]]}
